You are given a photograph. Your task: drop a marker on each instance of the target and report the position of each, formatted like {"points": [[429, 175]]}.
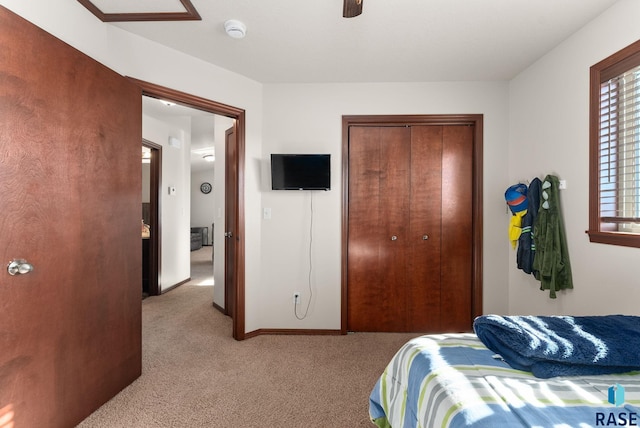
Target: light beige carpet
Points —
{"points": [[194, 374], [202, 266]]}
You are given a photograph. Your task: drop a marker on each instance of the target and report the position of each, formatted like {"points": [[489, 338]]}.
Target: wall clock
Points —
{"points": [[205, 188]]}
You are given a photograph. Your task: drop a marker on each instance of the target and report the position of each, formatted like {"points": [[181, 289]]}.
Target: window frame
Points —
{"points": [[614, 65]]}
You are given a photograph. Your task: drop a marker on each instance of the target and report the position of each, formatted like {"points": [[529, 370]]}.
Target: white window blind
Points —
{"points": [[619, 155]]}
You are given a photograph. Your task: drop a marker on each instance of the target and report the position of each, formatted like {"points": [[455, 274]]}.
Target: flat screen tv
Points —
{"points": [[300, 172]]}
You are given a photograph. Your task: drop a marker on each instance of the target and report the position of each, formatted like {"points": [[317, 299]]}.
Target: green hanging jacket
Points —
{"points": [[551, 260]]}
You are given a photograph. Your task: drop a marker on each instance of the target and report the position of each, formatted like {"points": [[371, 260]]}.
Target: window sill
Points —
{"points": [[615, 238]]}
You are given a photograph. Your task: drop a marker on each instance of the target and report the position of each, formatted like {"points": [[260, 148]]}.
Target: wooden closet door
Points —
{"points": [[414, 183], [424, 258], [457, 228], [379, 180]]}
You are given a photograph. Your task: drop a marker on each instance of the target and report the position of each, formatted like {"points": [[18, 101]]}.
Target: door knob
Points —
{"points": [[228, 234], [425, 237], [19, 267], [394, 238]]}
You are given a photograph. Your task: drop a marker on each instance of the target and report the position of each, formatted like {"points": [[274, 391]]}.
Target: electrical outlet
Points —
{"points": [[296, 298]]}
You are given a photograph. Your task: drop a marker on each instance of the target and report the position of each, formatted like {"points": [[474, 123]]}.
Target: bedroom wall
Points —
{"points": [[548, 133], [307, 118], [525, 134]]}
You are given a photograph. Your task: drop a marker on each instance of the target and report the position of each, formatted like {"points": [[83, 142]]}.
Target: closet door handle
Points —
{"points": [[425, 237], [394, 238]]}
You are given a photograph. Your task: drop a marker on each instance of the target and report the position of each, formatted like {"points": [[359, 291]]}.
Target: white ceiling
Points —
{"points": [[297, 41], [308, 41]]}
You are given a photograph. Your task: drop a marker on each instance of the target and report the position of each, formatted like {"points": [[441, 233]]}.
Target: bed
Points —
{"points": [[455, 380]]}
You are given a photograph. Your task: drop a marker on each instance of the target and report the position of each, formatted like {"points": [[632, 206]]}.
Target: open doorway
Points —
{"points": [[235, 286], [151, 173], [204, 197]]}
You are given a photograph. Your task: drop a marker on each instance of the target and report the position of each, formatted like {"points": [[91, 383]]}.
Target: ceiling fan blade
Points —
{"points": [[352, 8]]}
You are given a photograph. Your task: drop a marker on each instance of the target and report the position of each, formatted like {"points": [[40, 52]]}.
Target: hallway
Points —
{"points": [[202, 266]]}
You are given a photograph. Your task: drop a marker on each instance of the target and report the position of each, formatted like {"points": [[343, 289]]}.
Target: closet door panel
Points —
{"points": [[394, 214], [423, 293], [363, 246], [457, 228], [410, 228], [376, 261]]}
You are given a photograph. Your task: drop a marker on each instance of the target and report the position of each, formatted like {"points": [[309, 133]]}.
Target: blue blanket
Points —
{"points": [[551, 346]]}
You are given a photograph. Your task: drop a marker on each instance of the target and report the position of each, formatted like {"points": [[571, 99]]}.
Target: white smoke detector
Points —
{"points": [[235, 28]]}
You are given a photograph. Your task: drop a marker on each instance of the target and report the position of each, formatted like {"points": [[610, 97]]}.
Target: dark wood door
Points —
{"points": [[152, 263], [422, 308], [231, 221], [70, 192], [410, 229], [379, 165], [457, 228]]}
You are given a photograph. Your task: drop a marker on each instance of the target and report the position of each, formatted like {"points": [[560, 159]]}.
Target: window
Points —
{"points": [[614, 149]]}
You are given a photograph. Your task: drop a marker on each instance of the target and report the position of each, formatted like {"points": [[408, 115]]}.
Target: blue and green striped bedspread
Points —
{"points": [[453, 380]]}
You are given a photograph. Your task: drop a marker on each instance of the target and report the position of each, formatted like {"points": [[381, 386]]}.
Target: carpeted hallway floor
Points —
{"points": [[202, 266], [194, 374]]}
